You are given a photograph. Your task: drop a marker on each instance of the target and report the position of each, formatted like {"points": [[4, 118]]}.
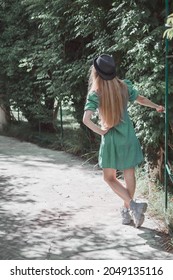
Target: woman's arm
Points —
{"points": [[146, 102], [87, 121]]}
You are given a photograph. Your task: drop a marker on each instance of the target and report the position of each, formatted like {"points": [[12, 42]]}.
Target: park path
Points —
{"points": [[52, 206]]}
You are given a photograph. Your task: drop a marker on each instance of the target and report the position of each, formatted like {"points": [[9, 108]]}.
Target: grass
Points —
{"points": [[155, 194]]}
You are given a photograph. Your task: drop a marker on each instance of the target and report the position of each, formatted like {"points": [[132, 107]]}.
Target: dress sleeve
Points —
{"points": [[92, 102], [133, 93]]}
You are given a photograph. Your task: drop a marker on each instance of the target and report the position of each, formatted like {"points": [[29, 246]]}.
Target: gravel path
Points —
{"points": [[54, 207]]}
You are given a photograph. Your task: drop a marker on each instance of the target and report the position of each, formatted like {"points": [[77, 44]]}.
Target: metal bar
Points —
{"points": [[166, 111], [61, 120]]}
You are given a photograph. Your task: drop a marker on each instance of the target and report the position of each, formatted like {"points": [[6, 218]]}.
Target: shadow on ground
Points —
{"points": [[49, 234]]}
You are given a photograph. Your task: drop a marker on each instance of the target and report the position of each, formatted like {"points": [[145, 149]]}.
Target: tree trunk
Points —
{"points": [[3, 119]]}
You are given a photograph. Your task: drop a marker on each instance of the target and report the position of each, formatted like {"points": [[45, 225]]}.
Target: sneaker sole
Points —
{"points": [[141, 210], [126, 223]]}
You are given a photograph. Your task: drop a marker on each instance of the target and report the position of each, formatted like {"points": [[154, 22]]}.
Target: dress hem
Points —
{"points": [[124, 168]]}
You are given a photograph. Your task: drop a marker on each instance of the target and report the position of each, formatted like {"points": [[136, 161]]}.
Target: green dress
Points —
{"points": [[119, 148]]}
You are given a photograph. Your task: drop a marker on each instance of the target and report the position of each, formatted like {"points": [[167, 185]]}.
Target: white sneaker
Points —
{"points": [[126, 217]]}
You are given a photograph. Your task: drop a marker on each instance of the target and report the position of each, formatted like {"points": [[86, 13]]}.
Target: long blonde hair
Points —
{"points": [[113, 97]]}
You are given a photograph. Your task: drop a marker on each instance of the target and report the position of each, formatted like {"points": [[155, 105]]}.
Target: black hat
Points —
{"points": [[105, 66]]}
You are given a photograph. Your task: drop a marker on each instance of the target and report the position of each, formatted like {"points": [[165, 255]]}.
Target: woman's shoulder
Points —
{"points": [[132, 91], [127, 82], [94, 90], [93, 93], [92, 101]]}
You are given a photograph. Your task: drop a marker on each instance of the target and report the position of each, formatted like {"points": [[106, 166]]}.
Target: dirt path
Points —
{"points": [[54, 207]]}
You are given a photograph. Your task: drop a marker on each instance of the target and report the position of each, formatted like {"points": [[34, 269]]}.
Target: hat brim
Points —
{"points": [[104, 76]]}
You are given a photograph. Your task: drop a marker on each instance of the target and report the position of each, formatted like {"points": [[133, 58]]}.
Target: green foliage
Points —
{"points": [[139, 47], [169, 23]]}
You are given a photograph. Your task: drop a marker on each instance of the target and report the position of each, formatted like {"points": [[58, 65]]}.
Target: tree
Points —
{"points": [[47, 48]]}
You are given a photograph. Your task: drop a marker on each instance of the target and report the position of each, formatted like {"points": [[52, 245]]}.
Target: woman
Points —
{"points": [[119, 148]]}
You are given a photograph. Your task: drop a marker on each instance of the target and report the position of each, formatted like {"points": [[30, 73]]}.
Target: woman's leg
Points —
{"points": [[110, 177], [130, 181], [138, 209]]}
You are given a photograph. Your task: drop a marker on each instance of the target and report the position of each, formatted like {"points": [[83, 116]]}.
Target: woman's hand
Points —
{"points": [[104, 130], [146, 102], [88, 122], [160, 109]]}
